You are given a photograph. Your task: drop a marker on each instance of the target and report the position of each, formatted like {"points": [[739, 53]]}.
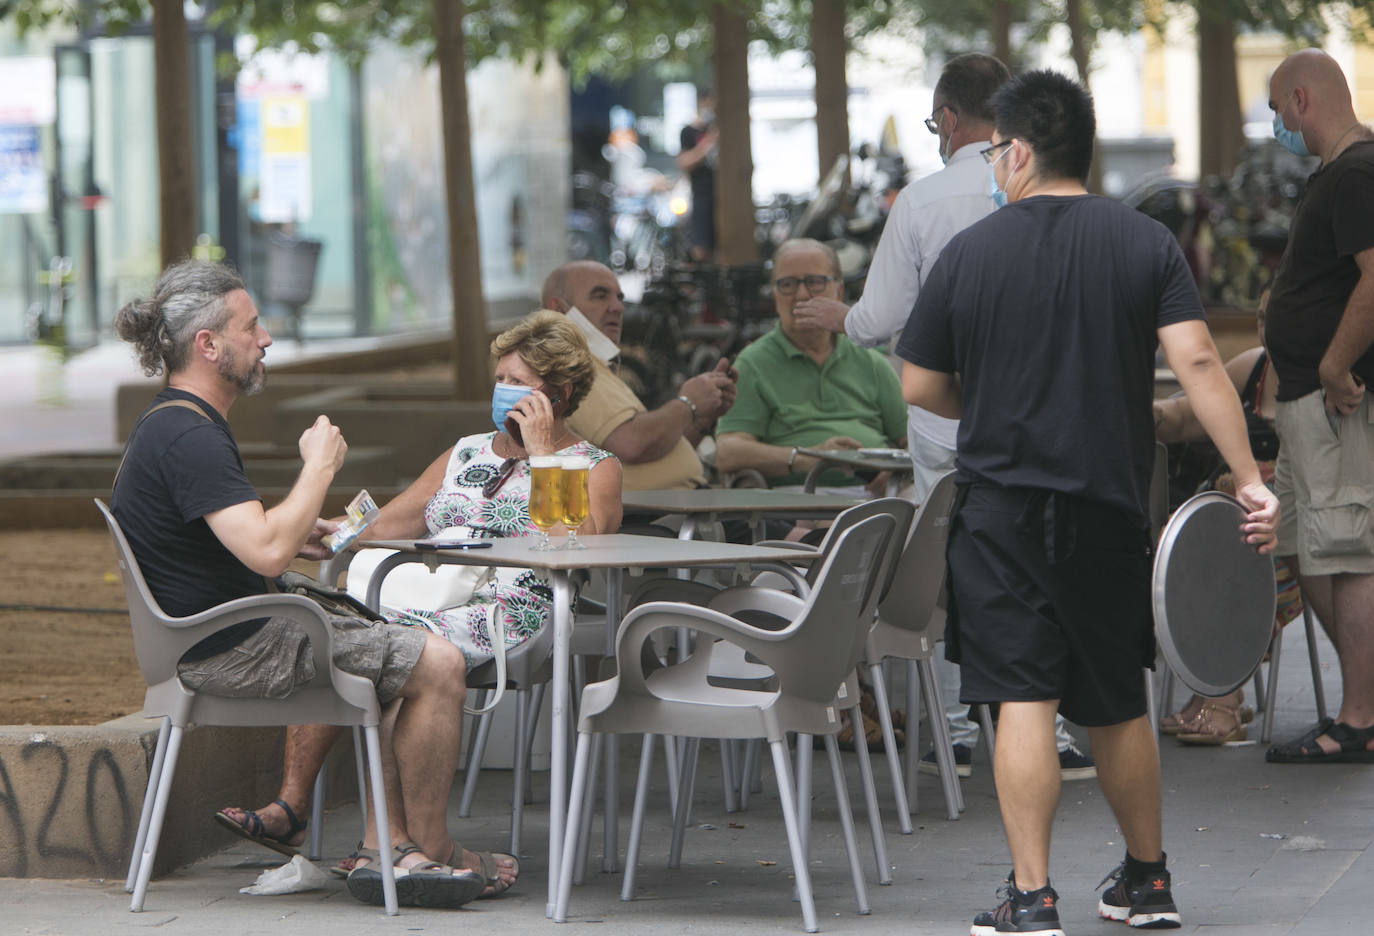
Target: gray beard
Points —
{"points": [[248, 383]]}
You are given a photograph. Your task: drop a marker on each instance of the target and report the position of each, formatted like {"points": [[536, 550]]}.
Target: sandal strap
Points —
{"points": [[296, 824], [1349, 737]]}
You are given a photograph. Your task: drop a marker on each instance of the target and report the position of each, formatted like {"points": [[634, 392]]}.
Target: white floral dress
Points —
{"points": [[522, 596]]}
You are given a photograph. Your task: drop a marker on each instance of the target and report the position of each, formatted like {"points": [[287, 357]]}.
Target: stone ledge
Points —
{"points": [[70, 795]]}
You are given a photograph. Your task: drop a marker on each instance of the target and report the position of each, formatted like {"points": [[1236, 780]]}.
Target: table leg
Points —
{"points": [[610, 852], [558, 755]]}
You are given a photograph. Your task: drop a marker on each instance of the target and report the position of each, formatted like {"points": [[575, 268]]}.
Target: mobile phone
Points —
{"points": [[453, 544]]}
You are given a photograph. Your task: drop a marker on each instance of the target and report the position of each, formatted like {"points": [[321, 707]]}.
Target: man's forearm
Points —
{"points": [[650, 436], [1354, 334], [771, 461]]}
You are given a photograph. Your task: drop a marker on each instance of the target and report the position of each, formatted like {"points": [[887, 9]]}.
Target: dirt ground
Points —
{"points": [[67, 667], [67, 657]]}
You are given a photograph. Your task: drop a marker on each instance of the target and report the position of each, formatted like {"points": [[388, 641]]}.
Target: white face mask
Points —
{"points": [[601, 347]]}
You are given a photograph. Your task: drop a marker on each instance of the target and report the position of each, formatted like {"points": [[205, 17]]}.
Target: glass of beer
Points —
{"points": [[545, 503], [573, 493]]}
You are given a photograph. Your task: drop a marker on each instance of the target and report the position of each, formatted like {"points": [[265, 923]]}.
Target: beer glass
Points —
{"points": [[573, 493], [545, 507]]}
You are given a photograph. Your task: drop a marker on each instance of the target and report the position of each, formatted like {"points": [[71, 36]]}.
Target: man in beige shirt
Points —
{"points": [[657, 448]]}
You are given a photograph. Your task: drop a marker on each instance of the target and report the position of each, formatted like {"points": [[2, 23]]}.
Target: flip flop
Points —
{"points": [[491, 872], [252, 829], [1305, 750]]}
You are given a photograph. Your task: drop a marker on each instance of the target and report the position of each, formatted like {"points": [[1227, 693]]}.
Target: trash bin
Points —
{"points": [[291, 266]]}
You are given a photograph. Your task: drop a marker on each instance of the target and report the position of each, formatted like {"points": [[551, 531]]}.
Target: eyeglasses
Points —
{"points": [[933, 121], [990, 154], [502, 476], [787, 285]]}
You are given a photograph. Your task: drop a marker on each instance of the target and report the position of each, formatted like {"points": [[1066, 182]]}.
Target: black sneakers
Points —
{"points": [[1021, 912], [1141, 896]]}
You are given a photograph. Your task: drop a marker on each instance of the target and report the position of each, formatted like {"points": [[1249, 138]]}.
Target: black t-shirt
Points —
{"points": [[703, 177], [1333, 222], [178, 468], [1048, 310]]}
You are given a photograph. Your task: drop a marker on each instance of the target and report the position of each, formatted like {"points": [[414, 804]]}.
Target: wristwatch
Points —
{"points": [[690, 405]]}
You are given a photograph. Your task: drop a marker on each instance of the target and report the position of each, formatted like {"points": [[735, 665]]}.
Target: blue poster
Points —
{"points": [[23, 183]]}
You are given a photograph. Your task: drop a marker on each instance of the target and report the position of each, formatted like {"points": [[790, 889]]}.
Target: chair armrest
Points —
{"points": [[752, 598], [334, 566], [787, 544], [640, 624]]}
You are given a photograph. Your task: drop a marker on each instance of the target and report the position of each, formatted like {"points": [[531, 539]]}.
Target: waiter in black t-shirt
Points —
{"points": [[697, 157], [1037, 329], [202, 536], [1319, 334]]}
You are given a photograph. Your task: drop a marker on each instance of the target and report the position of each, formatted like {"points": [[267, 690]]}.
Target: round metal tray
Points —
{"points": [[1213, 596]]}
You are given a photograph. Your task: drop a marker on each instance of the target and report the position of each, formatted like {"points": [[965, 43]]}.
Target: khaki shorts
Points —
{"points": [[276, 661], [1324, 479]]}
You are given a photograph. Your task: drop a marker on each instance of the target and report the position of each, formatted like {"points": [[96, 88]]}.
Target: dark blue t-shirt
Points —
{"points": [[1048, 309], [179, 467]]}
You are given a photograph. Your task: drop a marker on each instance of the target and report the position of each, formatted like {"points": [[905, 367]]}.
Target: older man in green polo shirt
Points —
{"points": [[801, 386]]}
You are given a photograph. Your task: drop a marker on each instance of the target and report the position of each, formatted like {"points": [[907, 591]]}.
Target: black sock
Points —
{"points": [[1136, 869]]}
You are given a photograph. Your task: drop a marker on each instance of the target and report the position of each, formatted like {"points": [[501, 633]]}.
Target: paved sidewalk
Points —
{"points": [[1254, 848]]}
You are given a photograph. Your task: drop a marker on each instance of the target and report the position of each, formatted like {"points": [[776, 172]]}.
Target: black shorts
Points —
{"points": [[1049, 598]]}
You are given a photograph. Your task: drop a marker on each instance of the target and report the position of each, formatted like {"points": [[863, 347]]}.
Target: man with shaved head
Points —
{"points": [[1319, 331], [656, 447]]}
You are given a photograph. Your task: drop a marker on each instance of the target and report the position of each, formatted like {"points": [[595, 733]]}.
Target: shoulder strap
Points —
{"points": [[184, 404]]}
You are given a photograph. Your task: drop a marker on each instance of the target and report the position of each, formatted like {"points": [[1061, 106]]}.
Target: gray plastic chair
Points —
{"points": [[529, 668], [333, 698], [812, 658], [910, 621]]}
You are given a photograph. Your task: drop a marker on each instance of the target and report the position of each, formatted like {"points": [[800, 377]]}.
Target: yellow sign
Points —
{"points": [[285, 125]]}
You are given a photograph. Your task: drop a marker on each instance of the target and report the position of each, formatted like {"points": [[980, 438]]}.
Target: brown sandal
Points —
{"points": [[1216, 724]]}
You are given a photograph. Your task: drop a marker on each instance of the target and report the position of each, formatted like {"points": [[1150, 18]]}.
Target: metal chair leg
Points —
{"points": [[164, 790], [875, 819], [851, 845], [727, 775], [317, 814], [686, 786], [476, 751], [1308, 625], [913, 731], [782, 771], [518, 772], [1271, 697], [145, 817], [878, 677], [943, 741], [358, 749], [374, 758], [646, 758], [571, 833], [989, 729]]}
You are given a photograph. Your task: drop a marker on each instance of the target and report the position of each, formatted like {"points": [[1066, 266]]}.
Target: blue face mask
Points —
{"points": [[999, 196], [503, 397], [1290, 140]]}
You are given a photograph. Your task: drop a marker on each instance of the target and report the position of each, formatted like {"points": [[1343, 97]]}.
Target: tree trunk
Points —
{"points": [[735, 164], [1001, 31], [832, 88], [176, 170], [1220, 131], [472, 369], [1078, 50]]}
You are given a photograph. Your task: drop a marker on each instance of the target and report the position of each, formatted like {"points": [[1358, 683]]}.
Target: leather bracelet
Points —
{"points": [[791, 459], [690, 405]]}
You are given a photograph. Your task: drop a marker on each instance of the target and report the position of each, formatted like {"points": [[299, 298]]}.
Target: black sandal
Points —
{"points": [[1305, 750], [252, 829]]}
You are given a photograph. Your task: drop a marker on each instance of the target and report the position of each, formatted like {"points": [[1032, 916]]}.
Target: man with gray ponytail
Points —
{"points": [[202, 537]]}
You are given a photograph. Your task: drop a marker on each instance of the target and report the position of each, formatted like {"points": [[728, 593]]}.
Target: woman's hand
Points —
{"points": [[313, 548], [1262, 515], [534, 415]]}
